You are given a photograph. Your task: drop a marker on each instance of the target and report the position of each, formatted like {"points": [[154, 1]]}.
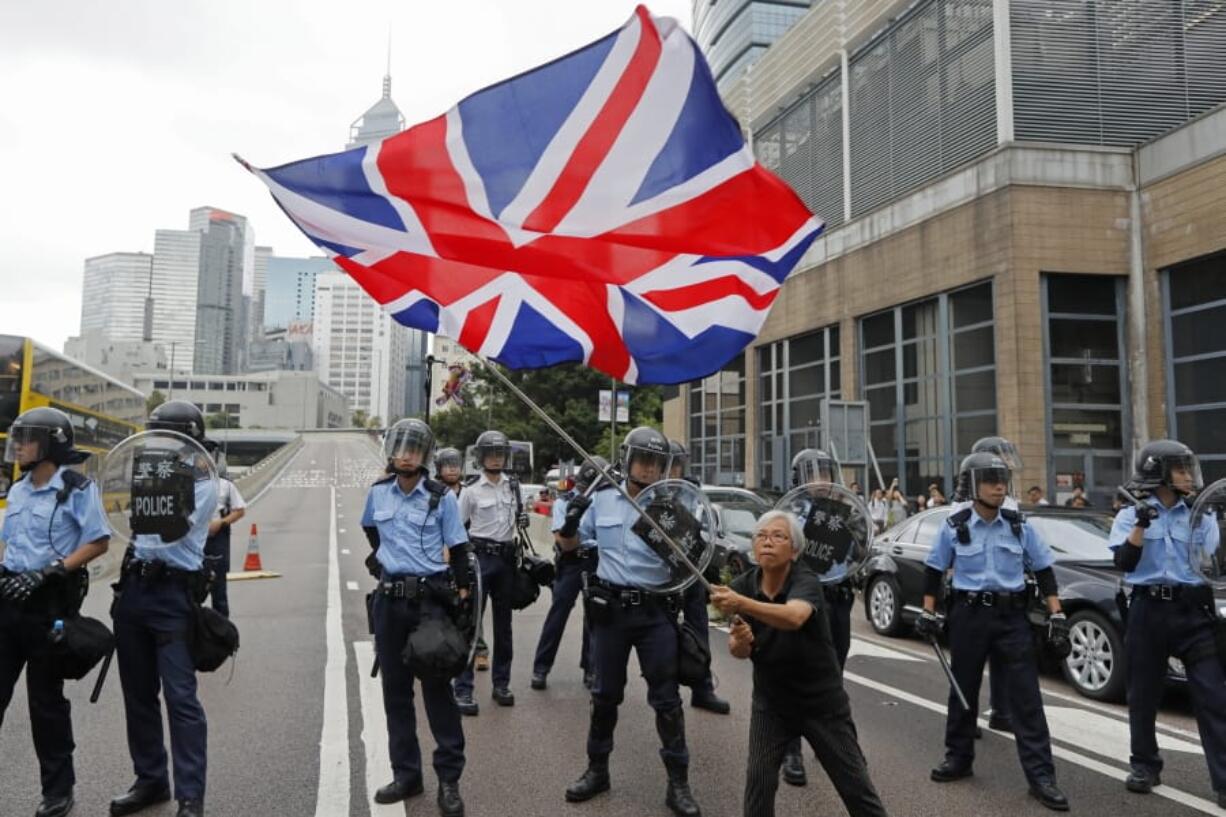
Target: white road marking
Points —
{"points": [[374, 730], [332, 797], [344, 551], [872, 650], [351, 585], [342, 530], [1114, 772], [1102, 735]]}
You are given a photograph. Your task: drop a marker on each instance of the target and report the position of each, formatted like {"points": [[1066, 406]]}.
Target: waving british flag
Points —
{"points": [[602, 208]]}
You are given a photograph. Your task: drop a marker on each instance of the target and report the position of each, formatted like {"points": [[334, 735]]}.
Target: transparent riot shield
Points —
{"points": [[1205, 553], [837, 526], [683, 512], [157, 487]]}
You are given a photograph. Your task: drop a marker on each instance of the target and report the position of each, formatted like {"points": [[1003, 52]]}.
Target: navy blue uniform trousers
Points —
{"points": [[217, 559], [496, 576], [394, 620], [1156, 630], [694, 610], [652, 633], [152, 620], [975, 632], [23, 637], [567, 584]]}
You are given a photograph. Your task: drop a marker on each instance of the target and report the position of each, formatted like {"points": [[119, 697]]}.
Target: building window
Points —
{"points": [[1195, 305], [1087, 421], [928, 372], [717, 425], [794, 376]]}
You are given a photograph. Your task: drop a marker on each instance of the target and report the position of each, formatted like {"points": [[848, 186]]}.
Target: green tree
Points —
{"points": [[568, 393], [155, 399], [220, 419], [358, 418]]}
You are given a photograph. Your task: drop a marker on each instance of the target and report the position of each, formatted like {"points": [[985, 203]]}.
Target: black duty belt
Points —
{"points": [[154, 571], [491, 547], [839, 591], [1195, 593], [405, 587], [993, 598], [577, 554], [629, 597]]}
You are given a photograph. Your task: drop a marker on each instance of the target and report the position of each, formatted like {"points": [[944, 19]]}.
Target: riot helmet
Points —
{"points": [[648, 448], [448, 462], [1167, 463], [1002, 448], [411, 440], [493, 443], [588, 474], [814, 465], [680, 459], [180, 416], [985, 469], [42, 434]]}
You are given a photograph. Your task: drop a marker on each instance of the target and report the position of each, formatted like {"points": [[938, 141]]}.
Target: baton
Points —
{"points": [[1124, 492], [949, 673], [106, 665]]}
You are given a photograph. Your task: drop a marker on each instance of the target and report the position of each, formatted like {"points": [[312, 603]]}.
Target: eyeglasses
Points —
{"points": [[778, 537]]}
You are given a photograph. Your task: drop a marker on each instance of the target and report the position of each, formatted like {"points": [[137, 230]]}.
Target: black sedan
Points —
{"points": [[1089, 581]]}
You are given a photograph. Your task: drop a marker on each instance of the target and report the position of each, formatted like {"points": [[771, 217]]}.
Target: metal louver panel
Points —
{"points": [[1114, 72], [922, 100], [805, 147]]}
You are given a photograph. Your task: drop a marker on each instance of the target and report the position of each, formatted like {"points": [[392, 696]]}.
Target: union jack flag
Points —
{"points": [[602, 208]]}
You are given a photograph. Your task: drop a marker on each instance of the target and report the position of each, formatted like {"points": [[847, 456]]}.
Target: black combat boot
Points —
{"points": [[595, 780], [671, 727]]}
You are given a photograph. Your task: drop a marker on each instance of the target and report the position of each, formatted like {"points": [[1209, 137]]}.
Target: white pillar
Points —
{"points": [[1002, 49]]}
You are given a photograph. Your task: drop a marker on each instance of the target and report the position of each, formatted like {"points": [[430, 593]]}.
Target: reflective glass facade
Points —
{"points": [[717, 425], [734, 33]]}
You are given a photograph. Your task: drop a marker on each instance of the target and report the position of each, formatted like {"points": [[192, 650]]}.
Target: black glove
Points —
{"points": [[1058, 635], [574, 513], [521, 519], [374, 566], [21, 587], [1145, 513], [929, 625]]}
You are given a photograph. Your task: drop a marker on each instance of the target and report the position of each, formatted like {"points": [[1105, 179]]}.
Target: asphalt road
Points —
{"points": [[296, 726]]}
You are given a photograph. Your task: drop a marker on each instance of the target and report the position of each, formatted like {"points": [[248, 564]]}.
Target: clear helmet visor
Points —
{"points": [[1008, 452], [497, 455], [989, 482], [27, 444], [819, 469], [646, 465], [1182, 473], [412, 444]]}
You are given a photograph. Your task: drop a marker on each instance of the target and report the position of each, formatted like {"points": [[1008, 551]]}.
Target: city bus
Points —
{"points": [[103, 410]]}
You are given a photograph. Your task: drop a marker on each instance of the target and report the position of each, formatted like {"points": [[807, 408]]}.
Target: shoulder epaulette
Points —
{"points": [[437, 491], [958, 521], [384, 479], [1015, 519], [73, 481]]}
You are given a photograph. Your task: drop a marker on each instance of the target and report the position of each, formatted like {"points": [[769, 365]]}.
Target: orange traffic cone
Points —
{"points": [[253, 551]]}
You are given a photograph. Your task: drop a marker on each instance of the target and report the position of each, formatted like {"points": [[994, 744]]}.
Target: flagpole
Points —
{"points": [[544, 415]]}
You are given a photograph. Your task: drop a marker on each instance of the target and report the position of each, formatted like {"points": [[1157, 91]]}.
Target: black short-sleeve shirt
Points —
{"points": [[797, 671]]}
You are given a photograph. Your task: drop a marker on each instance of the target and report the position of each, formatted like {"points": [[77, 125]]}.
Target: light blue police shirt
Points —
{"points": [[625, 559], [411, 537], [37, 532], [995, 559], [1166, 554], [186, 553]]}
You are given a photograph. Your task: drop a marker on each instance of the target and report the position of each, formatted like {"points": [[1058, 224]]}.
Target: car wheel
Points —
{"points": [[883, 604], [1095, 667]]}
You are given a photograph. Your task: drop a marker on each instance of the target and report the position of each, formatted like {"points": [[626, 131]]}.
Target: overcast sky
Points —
{"points": [[118, 117]]}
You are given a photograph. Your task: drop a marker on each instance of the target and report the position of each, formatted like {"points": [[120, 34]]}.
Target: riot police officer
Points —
{"points": [[409, 520], [813, 466], [998, 701], [694, 601], [1171, 609], [490, 507], [989, 548], [449, 469], [625, 614], [570, 565], [158, 588], [55, 525]]}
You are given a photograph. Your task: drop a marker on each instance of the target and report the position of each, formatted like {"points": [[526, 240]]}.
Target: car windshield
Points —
{"points": [[739, 521], [1075, 538]]}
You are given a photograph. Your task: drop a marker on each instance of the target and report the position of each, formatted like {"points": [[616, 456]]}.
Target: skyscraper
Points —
{"points": [[220, 320], [359, 349], [114, 294], [381, 120], [733, 34], [176, 274], [289, 290]]}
